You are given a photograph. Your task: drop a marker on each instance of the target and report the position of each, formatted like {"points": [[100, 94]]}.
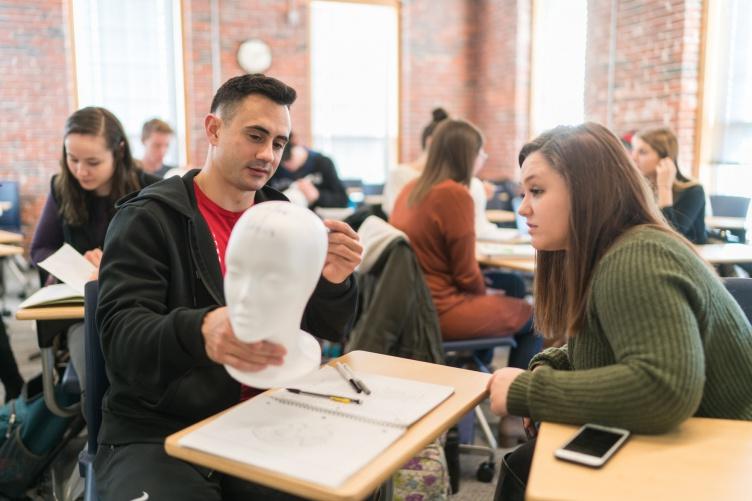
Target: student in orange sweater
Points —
{"points": [[436, 213]]}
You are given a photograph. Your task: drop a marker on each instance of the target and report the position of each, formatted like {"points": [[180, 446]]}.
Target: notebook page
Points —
{"points": [[396, 401], [303, 443], [70, 267]]}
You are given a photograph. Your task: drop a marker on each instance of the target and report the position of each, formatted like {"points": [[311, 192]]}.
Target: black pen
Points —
{"points": [[336, 398], [358, 382], [343, 372]]}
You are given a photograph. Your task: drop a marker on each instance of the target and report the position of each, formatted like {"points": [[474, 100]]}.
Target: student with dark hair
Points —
{"points": [[165, 328], [96, 169], [155, 136], [652, 335], [308, 178], [436, 213], [681, 199]]}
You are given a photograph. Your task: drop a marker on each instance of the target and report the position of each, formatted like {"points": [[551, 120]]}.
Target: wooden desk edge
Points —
{"points": [[51, 313], [356, 487]]}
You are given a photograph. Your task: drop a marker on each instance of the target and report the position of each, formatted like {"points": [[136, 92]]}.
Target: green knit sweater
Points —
{"points": [[663, 341]]}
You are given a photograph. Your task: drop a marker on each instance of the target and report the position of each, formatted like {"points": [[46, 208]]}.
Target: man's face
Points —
{"points": [[156, 146], [247, 148]]}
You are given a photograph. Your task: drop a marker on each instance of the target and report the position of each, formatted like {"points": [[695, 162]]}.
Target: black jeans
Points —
{"points": [[145, 471], [9, 374], [515, 470]]}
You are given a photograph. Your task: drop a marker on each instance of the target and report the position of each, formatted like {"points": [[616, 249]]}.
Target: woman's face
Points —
{"points": [[90, 162], [645, 157], [545, 205]]}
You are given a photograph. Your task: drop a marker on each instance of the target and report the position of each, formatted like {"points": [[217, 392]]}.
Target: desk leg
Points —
{"points": [[48, 383]]}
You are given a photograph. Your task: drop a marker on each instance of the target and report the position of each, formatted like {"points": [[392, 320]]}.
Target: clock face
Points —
{"points": [[254, 56]]}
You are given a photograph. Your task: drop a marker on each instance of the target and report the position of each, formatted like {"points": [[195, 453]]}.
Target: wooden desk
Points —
{"points": [[500, 216], [726, 223], [8, 237], [702, 459], [10, 250], [726, 253], [469, 389], [51, 322], [524, 262], [68, 312]]}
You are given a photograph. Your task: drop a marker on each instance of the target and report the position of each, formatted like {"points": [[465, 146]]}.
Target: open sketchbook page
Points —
{"points": [[70, 267], [394, 401], [317, 447], [314, 438], [57, 294]]}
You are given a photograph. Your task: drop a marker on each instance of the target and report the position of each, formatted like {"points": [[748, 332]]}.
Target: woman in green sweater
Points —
{"points": [[652, 336]]}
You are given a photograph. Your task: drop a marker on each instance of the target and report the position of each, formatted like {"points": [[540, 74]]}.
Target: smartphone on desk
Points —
{"points": [[592, 445]]}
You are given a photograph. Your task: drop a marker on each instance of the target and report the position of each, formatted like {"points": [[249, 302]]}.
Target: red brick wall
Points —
{"points": [[238, 21], [436, 44], [36, 95], [656, 67], [472, 57], [500, 71]]}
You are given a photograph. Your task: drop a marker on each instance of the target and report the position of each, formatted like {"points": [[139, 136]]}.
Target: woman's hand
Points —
{"points": [[499, 388], [665, 175], [94, 256]]}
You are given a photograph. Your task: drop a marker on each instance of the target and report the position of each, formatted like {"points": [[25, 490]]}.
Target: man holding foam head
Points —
{"points": [[162, 317]]}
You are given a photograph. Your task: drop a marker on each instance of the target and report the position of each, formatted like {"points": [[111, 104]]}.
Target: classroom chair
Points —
{"points": [[741, 289], [731, 206], [96, 385], [466, 353]]}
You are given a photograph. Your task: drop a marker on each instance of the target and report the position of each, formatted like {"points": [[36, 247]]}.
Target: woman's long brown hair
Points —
{"points": [[72, 198], [608, 196], [455, 144]]}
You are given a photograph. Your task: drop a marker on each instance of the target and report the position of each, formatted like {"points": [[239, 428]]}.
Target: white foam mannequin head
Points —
{"points": [[274, 259]]}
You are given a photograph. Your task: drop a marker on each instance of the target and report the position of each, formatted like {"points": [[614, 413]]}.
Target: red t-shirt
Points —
{"points": [[221, 222]]}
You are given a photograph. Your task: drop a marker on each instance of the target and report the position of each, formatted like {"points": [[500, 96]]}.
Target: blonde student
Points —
{"points": [[652, 335], [681, 199]]}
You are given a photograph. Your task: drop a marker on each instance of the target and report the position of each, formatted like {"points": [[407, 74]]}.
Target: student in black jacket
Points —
{"points": [[681, 199], [162, 316], [309, 178]]}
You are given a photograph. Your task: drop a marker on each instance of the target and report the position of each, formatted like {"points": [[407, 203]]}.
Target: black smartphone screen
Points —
{"points": [[593, 442]]}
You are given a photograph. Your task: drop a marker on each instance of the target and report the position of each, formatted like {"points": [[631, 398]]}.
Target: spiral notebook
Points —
{"points": [[316, 439]]}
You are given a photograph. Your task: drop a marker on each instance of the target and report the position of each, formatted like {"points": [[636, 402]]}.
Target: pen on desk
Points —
{"points": [[343, 372], [359, 382], [336, 398]]}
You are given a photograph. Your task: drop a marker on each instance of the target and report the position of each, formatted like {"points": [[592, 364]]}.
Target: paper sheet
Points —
{"points": [[70, 267]]}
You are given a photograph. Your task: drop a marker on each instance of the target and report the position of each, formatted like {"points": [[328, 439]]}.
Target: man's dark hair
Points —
{"points": [[236, 89]]}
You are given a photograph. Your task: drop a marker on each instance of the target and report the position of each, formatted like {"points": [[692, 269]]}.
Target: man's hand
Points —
{"points": [[224, 348], [499, 388], [308, 190], [344, 253]]}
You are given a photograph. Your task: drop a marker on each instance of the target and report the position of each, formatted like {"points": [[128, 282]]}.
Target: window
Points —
{"points": [[727, 115], [129, 60], [354, 87], [558, 64]]}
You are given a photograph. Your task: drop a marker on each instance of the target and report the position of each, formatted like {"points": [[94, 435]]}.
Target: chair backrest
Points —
{"points": [[741, 289], [96, 376], [729, 206], [10, 203]]}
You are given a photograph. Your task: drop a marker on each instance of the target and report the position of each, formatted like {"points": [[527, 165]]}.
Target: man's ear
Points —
{"points": [[212, 125]]}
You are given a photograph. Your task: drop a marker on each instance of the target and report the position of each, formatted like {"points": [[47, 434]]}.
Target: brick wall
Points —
{"points": [[36, 95], [655, 69], [470, 56], [434, 70], [238, 21]]}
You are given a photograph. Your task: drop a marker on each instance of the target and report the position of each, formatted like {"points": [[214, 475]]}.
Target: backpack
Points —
{"points": [[30, 437]]}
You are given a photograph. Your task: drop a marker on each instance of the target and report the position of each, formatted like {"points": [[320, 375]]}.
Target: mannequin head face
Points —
{"points": [[274, 259]]}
